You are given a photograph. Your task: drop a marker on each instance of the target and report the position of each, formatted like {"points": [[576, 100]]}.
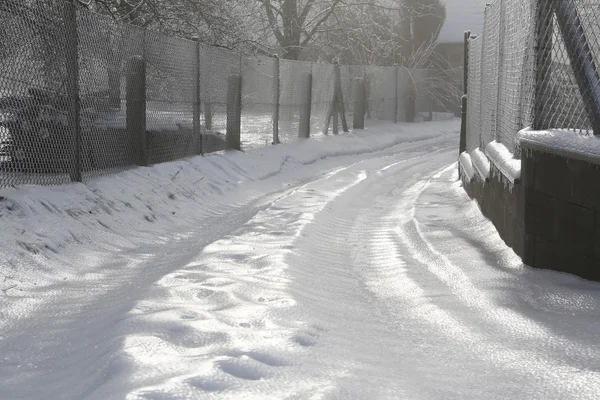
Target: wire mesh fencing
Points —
{"points": [[258, 89], [474, 116], [534, 65], [82, 95], [294, 95]]}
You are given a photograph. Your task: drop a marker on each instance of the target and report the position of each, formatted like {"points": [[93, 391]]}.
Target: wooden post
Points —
{"points": [[234, 112], [359, 104], [136, 106], [304, 123], [341, 108]]}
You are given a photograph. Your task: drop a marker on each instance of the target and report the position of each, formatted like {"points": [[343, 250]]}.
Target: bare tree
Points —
{"points": [[295, 23], [213, 22], [421, 22], [362, 33]]}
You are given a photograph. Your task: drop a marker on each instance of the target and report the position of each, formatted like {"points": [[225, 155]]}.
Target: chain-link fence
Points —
{"points": [[534, 65], [82, 95]]}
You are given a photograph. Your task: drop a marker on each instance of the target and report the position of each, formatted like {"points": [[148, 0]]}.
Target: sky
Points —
{"points": [[462, 15]]}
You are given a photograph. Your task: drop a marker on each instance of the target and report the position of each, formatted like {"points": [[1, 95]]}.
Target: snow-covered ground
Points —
{"points": [[349, 267]]}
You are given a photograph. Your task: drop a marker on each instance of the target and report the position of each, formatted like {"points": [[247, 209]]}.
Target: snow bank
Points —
{"points": [[466, 165], [563, 143], [54, 235], [481, 163], [503, 159]]}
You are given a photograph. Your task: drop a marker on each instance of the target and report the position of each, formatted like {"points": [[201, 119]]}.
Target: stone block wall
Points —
{"points": [[562, 214], [551, 217]]}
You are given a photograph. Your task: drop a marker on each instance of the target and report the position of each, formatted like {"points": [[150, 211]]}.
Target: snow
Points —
{"points": [[481, 164], [504, 161], [350, 266], [466, 165], [563, 143]]}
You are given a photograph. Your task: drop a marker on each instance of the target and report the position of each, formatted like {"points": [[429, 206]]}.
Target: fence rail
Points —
{"points": [[535, 64], [82, 95]]}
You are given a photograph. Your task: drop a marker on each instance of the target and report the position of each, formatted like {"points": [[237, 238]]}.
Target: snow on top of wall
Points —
{"points": [[504, 160], [466, 165], [481, 163], [563, 143]]}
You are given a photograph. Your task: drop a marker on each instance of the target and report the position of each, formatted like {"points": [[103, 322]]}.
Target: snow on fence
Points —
{"points": [[83, 95], [535, 65]]}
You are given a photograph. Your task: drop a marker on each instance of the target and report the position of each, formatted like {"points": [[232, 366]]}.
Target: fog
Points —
{"points": [[462, 15]]}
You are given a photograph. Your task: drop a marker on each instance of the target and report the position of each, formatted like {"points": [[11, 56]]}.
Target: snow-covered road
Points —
{"points": [[368, 275]]}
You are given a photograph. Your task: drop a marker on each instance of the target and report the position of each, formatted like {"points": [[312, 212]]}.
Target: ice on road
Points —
{"points": [[362, 273]]}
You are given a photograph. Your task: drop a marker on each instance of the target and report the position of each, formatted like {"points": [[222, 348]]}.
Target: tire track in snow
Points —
{"points": [[477, 324], [264, 345]]}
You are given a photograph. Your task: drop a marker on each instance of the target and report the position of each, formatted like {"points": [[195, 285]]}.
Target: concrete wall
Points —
{"points": [[551, 218]]}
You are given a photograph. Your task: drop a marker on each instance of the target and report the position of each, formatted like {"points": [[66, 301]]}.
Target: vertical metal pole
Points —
{"points": [[136, 106], [466, 62], [463, 115], [484, 42], [276, 92], [543, 62], [581, 56], [359, 104], [304, 124], [197, 128], [396, 93], [500, 81], [72, 63], [462, 147], [234, 112]]}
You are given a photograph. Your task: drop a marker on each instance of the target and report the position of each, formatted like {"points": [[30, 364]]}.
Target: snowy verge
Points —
{"points": [[466, 165], [504, 161], [562, 143], [481, 164]]}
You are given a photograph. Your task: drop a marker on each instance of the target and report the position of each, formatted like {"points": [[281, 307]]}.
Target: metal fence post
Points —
{"points": [[234, 112], [276, 92], [197, 128], [358, 121], [304, 124], [72, 64], [500, 81], [136, 106], [582, 58], [396, 93], [463, 115], [466, 62]]}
